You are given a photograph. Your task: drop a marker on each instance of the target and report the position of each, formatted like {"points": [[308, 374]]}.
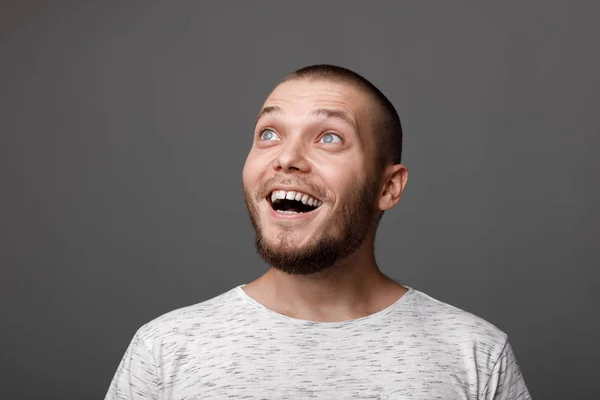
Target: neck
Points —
{"points": [[351, 289]]}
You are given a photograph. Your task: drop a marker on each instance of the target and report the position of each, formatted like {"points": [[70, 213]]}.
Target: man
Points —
{"points": [[323, 322]]}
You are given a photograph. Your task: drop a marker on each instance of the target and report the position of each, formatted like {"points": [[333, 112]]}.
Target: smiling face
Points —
{"points": [[309, 181]]}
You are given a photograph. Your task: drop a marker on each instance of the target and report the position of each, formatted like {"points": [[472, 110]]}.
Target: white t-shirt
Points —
{"points": [[232, 347]]}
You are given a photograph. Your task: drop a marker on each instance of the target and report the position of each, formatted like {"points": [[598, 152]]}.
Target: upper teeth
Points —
{"points": [[298, 196]]}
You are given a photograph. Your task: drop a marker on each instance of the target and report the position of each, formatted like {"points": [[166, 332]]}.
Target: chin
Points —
{"points": [[286, 241]]}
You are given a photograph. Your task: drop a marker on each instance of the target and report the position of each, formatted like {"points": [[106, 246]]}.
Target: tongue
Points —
{"points": [[290, 207]]}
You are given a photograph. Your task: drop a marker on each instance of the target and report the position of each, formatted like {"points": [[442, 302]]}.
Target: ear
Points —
{"points": [[395, 180]]}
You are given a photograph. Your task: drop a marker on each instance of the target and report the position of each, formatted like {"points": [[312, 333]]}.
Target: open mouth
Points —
{"points": [[292, 202]]}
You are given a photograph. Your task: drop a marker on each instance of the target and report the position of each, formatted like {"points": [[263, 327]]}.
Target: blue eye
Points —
{"points": [[268, 134], [331, 138]]}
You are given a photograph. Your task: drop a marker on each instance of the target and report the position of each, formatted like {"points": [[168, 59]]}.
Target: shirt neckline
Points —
{"points": [[375, 317]]}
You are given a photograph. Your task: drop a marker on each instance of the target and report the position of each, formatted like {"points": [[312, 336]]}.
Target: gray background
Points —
{"points": [[125, 125]]}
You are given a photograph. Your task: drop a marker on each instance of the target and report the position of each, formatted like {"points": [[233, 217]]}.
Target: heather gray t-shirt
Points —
{"points": [[232, 347]]}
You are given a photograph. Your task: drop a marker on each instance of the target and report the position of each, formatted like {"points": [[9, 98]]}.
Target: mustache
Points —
{"points": [[265, 188]]}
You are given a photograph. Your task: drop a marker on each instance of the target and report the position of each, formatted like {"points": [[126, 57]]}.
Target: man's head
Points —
{"points": [[328, 138], [386, 127]]}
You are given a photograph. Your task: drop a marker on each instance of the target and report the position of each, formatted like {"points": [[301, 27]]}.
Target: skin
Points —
{"points": [[332, 156]]}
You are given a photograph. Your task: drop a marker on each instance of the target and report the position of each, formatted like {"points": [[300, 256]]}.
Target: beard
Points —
{"points": [[352, 223]]}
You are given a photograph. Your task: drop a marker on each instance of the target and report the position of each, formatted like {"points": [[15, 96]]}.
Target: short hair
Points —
{"points": [[387, 124]]}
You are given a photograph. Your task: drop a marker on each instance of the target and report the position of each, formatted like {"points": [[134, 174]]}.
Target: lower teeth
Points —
{"points": [[288, 212]]}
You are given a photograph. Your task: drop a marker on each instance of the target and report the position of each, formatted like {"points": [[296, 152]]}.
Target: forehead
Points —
{"points": [[302, 95]]}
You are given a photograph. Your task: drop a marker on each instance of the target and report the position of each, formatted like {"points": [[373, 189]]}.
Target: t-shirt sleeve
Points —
{"points": [[506, 381], [136, 377]]}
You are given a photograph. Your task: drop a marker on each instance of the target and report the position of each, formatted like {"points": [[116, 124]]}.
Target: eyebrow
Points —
{"points": [[267, 111], [319, 112]]}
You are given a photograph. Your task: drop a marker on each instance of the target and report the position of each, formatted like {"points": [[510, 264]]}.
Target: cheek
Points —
{"points": [[343, 178], [246, 175], [251, 171]]}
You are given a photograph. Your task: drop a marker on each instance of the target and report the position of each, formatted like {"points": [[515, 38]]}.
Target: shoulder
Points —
{"points": [[192, 321], [440, 315], [475, 350], [452, 325]]}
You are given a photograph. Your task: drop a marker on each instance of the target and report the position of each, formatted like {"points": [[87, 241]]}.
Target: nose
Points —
{"points": [[292, 158]]}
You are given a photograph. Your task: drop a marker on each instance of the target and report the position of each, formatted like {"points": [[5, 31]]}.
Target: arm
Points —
{"points": [[506, 381], [136, 377]]}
